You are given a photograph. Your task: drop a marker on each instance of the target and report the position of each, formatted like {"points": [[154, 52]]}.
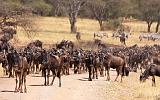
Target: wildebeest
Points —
{"points": [[78, 35], [90, 64], [4, 46], [65, 61], [123, 37], [65, 44], [9, 31], [9, 23], [21, 68], [37, 59], [152, 70], [36, 43], [114, 62], [51, 63], [99, 34], [3, 60], [156, 60]]}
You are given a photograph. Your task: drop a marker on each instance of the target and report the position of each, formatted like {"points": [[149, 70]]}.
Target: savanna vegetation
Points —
{"points": [[110, 12]]}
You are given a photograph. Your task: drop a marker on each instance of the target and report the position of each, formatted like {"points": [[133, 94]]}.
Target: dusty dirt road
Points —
{"points": [[77, 87]]}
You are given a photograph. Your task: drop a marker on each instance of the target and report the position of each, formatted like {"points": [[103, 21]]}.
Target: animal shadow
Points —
{"points": [[7, 91]]}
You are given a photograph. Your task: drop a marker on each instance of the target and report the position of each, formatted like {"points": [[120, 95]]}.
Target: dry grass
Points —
{"points": [[52, 30]]}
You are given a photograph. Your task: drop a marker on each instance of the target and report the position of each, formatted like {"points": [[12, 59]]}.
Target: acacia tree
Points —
{"points": [[98, 10], [72, 8], [147, 12], [158, 23], [15, 12], [157, 15]]}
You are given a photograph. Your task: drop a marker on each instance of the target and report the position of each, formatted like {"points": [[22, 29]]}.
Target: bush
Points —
{"points": [[112, 24], [40, 7]]}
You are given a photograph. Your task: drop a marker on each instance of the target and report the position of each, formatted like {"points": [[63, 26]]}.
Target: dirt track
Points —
{"points": [[77, 87]]}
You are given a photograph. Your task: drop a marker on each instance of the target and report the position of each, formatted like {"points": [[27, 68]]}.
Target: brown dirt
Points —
{"points": [[77, 87]]}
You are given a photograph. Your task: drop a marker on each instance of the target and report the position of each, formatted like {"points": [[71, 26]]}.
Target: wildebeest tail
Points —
{"points": [[125, 71]]}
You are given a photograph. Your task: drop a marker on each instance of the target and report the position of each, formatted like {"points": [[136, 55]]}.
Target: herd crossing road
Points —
{"points": [[74, 87]]}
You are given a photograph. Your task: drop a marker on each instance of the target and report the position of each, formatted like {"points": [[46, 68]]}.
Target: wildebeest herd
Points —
{"points": [[19, 62]]}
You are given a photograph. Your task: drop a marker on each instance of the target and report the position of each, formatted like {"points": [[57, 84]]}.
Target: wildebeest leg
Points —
{"points": [[54, 75], [19, 76], [93, 72], [24, 77], [75, 69], [108, 76], [37, 68], [45, 76], [121, 73], [16, 90], [79, 68], [117, 69], [105, 71], [153, 81], [67, 69], [124, 42], [60, 81], [33, 68], [10, 71], [59, 76], [4, 71], [90, 73], [101, 71], [48, 76], [21, 82], [96, 72]]}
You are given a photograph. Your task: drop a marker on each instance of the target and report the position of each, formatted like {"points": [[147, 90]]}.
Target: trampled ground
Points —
{"points": [[77, 87]]}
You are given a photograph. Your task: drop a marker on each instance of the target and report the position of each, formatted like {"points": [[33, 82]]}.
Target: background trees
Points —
{"points": [[101, 10], [98, 11], [14, 13], [72, 8]]}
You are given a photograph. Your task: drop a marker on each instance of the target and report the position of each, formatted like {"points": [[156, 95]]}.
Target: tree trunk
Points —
{"points": [[157, 27], [72, 19], [73, 27], [149, 25], [101, 25]]}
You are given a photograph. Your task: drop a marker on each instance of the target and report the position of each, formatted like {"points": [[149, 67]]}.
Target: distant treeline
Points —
{"points": [[101, 10]]}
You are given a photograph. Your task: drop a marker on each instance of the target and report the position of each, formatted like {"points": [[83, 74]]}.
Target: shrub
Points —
{"points": [[112, 24]]}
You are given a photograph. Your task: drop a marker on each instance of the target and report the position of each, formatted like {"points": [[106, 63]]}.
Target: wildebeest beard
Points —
{"points": [[90, 58], [16, 59], [144, 76]]}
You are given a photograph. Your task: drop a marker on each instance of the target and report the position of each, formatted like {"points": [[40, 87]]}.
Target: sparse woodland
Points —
{"points": [[106, 12]]}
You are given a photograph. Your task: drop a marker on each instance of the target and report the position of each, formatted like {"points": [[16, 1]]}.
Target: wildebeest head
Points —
{"points": [[144, 76]]}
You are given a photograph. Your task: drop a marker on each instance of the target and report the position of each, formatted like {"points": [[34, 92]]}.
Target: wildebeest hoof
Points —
{"points": [[102, 75], [25, 91], [108, 80], [21, 92], [45, 84], [16, 91], [115, 80], [89, 79], [11, 76]]}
